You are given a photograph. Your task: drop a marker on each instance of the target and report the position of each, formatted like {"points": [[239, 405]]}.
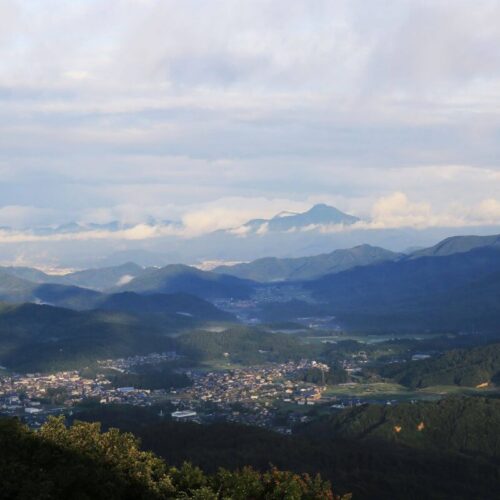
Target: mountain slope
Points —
{"points": [[97, 279], [34, 337], [463, 367], [16, 290], [378, 468], [456, 424], [13, 288], [457, 292], [304, 268], [186, 279], [457, 244], [103, 278], [181, 304]]}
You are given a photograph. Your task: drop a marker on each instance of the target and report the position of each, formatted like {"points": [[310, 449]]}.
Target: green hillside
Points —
{"points": [[243, 345], [466, 426], [464, 367], [34, 337]]}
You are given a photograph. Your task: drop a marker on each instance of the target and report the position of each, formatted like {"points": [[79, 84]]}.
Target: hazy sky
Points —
{"points": [[217, 111]]}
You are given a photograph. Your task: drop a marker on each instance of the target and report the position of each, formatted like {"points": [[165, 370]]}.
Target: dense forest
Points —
{"points": [[463, 367], [241, 344], [455, 454], [81, 462]]}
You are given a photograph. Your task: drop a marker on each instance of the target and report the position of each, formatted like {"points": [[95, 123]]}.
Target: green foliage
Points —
{"points": [[454, 457], [151, 377], [455, 424], [81, 462], [244, 345], [45, 338], [463, 367], [336, 375]]}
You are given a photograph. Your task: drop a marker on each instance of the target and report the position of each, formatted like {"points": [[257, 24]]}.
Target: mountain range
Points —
{"points": [[303, 268], [452, 286], [97, 279], [157, 242]]}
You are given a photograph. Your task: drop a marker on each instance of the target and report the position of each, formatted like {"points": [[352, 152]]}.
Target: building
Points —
{"points": [[184, 415]]}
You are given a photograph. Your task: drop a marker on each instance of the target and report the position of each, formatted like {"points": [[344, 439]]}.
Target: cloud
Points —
{"points": [[232, 212], [135, 233], [488, 211], [173, 107], [396, 210]]}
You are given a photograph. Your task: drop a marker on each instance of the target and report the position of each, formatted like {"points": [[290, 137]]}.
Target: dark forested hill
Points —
{"points": [[465, 367], [80, 462], [457, 292], [186, 279], [453, 456], [246, 345], [182, 304], [469, 426], [96, 279], [18, 290], [303, 268], [34, 337]]}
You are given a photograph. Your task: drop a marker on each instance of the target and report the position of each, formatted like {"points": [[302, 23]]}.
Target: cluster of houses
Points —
{"points": [[248, 395], [34, 396], [126, 364]]}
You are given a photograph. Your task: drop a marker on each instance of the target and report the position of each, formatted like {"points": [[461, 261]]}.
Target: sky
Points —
{"points": [[214, 112]]}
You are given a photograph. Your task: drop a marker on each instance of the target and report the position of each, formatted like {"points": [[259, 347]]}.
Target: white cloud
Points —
{"points": [[396, 210], [232, 212], [128, 109]]}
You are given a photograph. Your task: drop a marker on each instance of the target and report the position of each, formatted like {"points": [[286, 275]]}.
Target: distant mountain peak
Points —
{"points": [[320, 214]]}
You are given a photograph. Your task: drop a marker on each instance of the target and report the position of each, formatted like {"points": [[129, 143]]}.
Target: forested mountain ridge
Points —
{"points": [[96, 279], [303, 268], [457, 292], [463, 425], [45, 338], [186, 279], [463, 367], [18, 290]]}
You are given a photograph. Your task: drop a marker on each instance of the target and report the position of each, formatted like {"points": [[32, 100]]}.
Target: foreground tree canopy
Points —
{"points": [[81, 462]]}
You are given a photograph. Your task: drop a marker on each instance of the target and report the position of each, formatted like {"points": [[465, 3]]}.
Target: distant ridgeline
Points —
{"points": [[81, 462], [451, 287], [476, 367]]}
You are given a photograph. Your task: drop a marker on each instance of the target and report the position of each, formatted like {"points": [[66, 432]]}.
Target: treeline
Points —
{"points": [[81, 462], [463, 367]]}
